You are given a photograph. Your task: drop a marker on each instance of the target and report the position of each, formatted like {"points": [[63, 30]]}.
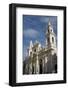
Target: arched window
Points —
{"points": [[30, 53], [34, 50], [51, 30], [53, 39], [48, 30]]}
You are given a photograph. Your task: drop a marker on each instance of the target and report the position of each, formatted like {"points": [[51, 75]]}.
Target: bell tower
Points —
{"points": [[50, 36]]}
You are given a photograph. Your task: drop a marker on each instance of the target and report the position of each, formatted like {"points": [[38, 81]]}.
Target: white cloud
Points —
{"points": [[31, 33], [46, 19]]}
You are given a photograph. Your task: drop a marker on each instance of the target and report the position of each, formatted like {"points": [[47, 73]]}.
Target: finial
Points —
{"points": [[49, 24], [31, 44]]}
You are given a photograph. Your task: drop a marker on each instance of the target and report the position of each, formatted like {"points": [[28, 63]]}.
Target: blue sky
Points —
{"points": [[34, 28]]}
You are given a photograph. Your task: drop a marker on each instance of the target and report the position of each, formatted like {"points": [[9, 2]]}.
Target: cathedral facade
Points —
{"points": [[42, 60]]}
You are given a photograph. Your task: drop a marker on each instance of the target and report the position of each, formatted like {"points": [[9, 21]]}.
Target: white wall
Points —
{"points": [[4, 43]]}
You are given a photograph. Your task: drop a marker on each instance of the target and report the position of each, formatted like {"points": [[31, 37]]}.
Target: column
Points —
{"points": [[34, 68], [45, 66]]}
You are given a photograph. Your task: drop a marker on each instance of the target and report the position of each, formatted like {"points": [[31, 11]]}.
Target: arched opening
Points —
{"points": [[34, 50], [51, 30], [53, 39], [48, 30], [40, 66], [30, 53], [55, 68], [32, 69]]}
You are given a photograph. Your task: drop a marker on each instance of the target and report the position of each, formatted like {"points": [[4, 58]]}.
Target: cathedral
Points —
{"points": [[42, 60]]}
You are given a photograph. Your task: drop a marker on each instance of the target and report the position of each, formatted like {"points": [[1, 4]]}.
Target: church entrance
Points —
{"points": [[55, 68], [32, 69], [40, 66]]}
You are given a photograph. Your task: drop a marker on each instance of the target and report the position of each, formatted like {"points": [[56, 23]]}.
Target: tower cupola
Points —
{"points": [[50, 36]]}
